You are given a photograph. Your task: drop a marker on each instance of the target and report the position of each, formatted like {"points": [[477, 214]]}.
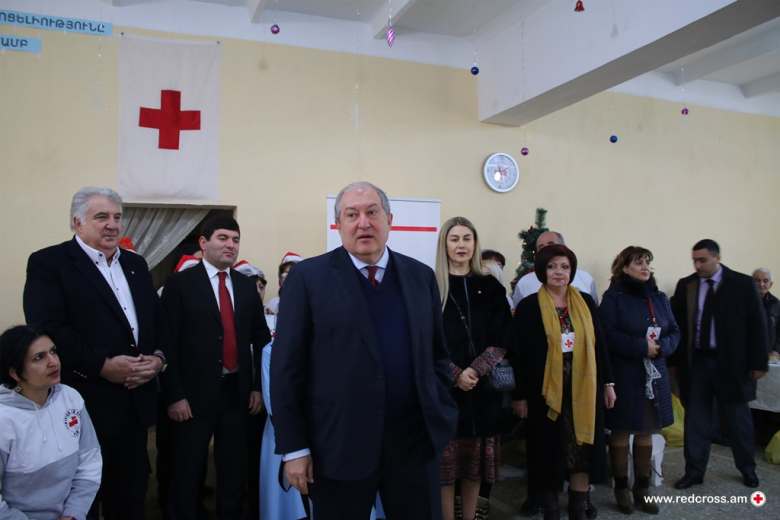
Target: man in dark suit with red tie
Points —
{"points": [[213, 316], [97, 303], [360, 383], [722, 353]]}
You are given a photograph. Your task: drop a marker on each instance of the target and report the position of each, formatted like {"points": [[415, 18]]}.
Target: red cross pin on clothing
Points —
{"points": [[73, 421], [169, 119], [758, 499]]}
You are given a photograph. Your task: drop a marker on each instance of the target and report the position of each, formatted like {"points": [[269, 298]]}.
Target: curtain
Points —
{"points": [[156, 232]]}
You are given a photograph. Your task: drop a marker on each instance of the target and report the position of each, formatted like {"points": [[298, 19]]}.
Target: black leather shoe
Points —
{"points": [[750, 481], [687, 481]]}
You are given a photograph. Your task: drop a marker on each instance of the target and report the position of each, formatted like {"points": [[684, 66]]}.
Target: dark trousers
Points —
{"points": [[407, 480], [699, 423], [190, 453], [125, 475]]}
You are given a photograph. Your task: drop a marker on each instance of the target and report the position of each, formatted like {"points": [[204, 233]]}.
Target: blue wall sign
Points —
{"points": [[55, 23], [12, 42]]}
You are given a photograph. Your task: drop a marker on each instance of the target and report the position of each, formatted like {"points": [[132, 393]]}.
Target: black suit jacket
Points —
{"points": [[68, 298], [740, 333], [327, 381], [193, 338]]}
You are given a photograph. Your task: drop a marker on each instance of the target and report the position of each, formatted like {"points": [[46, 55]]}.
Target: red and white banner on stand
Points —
{"points": [[168, 119]]}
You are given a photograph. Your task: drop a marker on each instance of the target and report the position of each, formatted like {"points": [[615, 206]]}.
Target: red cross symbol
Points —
{"points": [[169, 119], [652, 335], [569, 343], [758, 498], [73, 421]]}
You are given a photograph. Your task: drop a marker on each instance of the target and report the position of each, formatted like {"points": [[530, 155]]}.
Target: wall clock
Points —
{"points": [[501, 172]]}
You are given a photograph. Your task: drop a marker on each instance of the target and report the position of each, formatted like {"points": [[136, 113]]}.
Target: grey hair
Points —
{"points": [[80, 201], [765, 271], [560, 236], [353, 186]]}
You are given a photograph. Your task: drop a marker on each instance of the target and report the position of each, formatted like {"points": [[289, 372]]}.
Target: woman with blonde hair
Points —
{"points": [[477, 326]]}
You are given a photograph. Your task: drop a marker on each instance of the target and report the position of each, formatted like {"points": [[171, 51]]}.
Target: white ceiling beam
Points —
{"points": [[255, 9], [726, 57], [761, 86], [398, 9]]}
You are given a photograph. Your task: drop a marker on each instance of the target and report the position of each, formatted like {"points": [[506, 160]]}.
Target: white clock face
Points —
{"points": [[501, 172]]}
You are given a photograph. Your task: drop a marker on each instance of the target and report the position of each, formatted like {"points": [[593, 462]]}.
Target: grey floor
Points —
{"points": [[722, 480]]}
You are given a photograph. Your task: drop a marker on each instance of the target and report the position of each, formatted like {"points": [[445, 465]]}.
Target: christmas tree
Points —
{"points": [[529, 237]]}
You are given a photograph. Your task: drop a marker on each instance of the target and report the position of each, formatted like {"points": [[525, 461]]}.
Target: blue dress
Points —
{"points": [[275, 502]]}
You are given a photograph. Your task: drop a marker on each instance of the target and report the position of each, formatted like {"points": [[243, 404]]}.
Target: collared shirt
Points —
{"points": [[703, 287], [115, 278], [530, 284], [213, 274], [362, 266]]}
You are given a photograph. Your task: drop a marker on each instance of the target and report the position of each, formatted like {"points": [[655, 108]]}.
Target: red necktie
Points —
{"points": [[229, 349], [372, 269]]}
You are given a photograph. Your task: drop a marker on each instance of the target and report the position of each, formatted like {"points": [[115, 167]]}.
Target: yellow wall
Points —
{"points": [[289, 139]]}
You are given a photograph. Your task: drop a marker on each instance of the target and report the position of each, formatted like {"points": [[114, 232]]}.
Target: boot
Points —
{"points": [[623, 496], [552, 510], [641, 494], [578, 503], [642, 471], [483, 508], [590, 510]]}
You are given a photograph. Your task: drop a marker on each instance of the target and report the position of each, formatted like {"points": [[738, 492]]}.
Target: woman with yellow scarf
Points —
{"points": [[564, 382]]}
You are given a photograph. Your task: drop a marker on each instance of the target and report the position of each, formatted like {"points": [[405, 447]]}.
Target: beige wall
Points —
{"points": [[289, 139]]}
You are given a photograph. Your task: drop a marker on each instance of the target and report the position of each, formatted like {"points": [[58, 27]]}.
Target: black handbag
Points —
{"points": [[502, 377]]}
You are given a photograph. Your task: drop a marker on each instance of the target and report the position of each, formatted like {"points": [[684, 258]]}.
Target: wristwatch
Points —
{"points": [[160, 354]]}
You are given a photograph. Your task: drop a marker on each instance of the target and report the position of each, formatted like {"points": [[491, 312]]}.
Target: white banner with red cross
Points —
{"points": [[168, 119]]}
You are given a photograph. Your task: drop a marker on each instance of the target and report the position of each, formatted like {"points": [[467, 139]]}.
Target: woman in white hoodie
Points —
{"points": [[50, 459]]}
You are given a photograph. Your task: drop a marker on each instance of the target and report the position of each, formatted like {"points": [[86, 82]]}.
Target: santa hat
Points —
{"points": [[289, 256], [247, 269], [127, 243], [185, 262]]}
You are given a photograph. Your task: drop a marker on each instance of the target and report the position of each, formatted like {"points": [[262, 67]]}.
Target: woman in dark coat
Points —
{"points": [[641, 333], [477, 326], [564, 382]]}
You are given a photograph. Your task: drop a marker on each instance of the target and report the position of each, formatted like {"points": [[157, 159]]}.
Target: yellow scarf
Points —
{"points": [[583, 378]]}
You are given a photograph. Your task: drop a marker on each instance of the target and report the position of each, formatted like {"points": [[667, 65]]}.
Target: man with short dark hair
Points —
{"points": [[213, 315], [99, 306], [360, 380], [723, 351]]}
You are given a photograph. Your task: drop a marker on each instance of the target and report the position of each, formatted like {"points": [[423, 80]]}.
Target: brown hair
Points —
{"points": [[626, 257], [545, 254]]}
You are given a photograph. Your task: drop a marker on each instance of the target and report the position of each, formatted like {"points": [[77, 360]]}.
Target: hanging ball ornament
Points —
{"points": [[474, 70], [579, 7], [275, 29], [684, 111], [524, 151], [613, 138]]}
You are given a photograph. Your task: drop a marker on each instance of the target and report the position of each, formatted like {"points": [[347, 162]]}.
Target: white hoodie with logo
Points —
{"points": [[50, 462]]}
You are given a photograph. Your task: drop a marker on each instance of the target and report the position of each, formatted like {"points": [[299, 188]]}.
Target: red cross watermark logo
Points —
{"points": [[758, 499]]}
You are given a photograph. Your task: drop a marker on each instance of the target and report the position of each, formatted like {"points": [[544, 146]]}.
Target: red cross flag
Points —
{"points": [[168, 119]]}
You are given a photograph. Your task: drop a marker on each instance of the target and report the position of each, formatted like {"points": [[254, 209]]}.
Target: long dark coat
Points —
{"points": [[625, 316], [545, 453]]}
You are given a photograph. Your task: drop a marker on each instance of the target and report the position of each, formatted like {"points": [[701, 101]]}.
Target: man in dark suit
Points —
{"points": [[98, 304], [213, 316], [359, 373], [723, 352]]}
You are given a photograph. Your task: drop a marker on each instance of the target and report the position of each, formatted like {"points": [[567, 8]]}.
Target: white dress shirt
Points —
{"points": [[115, 278], [530, 284], [213, 274], [361, 266]]}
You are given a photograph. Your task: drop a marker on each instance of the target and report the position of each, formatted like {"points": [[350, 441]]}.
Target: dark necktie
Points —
{"points": [[229, 348], [706, 316], [372, 269]]}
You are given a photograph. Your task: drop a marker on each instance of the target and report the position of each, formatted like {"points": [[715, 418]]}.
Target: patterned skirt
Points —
{"points": [[472, 458]]}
